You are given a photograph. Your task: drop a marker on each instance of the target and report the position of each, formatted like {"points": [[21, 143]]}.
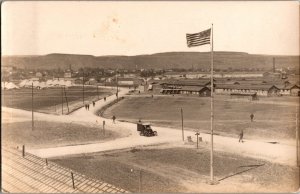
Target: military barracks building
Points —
{"points": [[193, 87], [250, 88]]}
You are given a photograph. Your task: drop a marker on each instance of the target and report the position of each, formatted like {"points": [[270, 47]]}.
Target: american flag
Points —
{"points": [[199, 38]]}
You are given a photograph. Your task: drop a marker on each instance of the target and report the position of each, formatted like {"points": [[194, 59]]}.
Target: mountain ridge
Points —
{"points": [[166, 60]]}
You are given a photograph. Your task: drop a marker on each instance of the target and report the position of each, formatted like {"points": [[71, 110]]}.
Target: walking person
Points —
{"points": [[114, 118], [241, 136], [252, 117]]}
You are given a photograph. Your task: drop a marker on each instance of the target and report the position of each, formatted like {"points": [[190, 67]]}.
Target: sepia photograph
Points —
{"points": [[150, 97]]}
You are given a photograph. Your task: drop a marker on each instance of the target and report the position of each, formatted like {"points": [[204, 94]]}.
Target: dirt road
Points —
{"points": [[284, 154]]}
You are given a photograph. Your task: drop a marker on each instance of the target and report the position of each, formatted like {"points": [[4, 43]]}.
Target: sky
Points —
{"points": [[146, 27]]}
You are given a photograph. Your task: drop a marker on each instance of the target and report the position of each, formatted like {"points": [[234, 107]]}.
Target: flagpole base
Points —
{"points": [[212, 182]]}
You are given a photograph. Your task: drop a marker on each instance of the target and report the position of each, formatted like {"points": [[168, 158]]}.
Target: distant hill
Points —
{"points": [[222, 60]]}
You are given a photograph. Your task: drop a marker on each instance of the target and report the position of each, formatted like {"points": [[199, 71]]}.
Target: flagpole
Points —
{"points": [[212, 107], [198, 39]]}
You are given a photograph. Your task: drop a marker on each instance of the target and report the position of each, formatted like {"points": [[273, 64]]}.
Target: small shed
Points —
{"points": [[250, 96], [295, 90]]}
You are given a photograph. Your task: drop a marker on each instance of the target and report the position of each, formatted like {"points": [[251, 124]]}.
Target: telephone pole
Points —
{"points": [[83, 87], [62, 100], [32, 120], [182, 124]]}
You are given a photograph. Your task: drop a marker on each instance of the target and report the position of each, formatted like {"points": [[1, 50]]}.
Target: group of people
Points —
{"points": [[87, 106], [241, 135]]}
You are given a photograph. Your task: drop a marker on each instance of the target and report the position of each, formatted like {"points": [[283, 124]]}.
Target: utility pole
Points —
{"points": [[66, 99], [197, 134], [140, 181], [32, 120], [182, 124], [297, 137], [83, 87], [104, 128], [62, 100], [117, 86]]}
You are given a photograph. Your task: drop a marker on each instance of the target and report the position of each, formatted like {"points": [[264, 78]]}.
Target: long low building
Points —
{"points": [[197, 86], [193, 90], [260, 90]]}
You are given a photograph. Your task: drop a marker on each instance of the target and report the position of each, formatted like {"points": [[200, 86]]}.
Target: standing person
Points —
{"points": [[88, 107], [85, 106], [252, 117], [93, 103], [241, 136], [114, 118], [104, 99]]}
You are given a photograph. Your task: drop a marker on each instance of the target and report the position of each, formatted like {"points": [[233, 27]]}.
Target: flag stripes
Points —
{"points": [[198, 39]]}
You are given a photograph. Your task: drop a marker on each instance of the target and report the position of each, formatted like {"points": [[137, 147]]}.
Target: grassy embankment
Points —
{"points": [[50, 100], [273, 120]]}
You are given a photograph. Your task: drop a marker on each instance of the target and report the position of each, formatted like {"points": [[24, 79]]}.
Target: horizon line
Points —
{"points": [[20, 55]]}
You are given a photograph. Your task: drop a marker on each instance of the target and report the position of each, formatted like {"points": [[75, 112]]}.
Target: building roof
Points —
{"points": [[187, 82], [187, 88], [243, 94], [245, 87], [126, 79], [192, 88], [174, 73]]}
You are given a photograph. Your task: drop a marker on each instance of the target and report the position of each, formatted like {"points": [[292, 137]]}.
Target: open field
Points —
{"points": [[179, 169], [272, 121], [49, 100], [52, 134]]}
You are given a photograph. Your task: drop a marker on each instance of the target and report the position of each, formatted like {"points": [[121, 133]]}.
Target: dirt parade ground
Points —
{"points": [[116, 153]]}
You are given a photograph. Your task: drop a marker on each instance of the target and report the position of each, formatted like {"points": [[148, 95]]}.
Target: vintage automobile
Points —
{"points": [[145, 129]]}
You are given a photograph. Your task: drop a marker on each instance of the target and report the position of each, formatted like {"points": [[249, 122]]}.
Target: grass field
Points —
{"points": [[177, 169], [51, 134], [49, 100], [272, 120]]}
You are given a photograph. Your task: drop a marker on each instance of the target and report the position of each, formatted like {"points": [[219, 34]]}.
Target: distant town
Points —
{"points": [[242, 82]]}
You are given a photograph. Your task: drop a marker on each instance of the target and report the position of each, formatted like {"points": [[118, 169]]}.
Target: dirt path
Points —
{"points": [[284, 154]]}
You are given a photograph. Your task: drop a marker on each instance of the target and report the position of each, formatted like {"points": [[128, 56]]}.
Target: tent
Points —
{"points": [[55, 83], [23, 82], [49, 82], [43, 85], [28, 84], [68, 83], [61, 82], [10, 85], [36, 84], [3, 85]]}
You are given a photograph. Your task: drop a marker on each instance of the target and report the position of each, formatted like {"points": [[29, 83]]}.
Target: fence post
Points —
{"points": [[182, 125], [140, 181], [73, 183], [23, 151], [197, 134], [104, 128]]}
